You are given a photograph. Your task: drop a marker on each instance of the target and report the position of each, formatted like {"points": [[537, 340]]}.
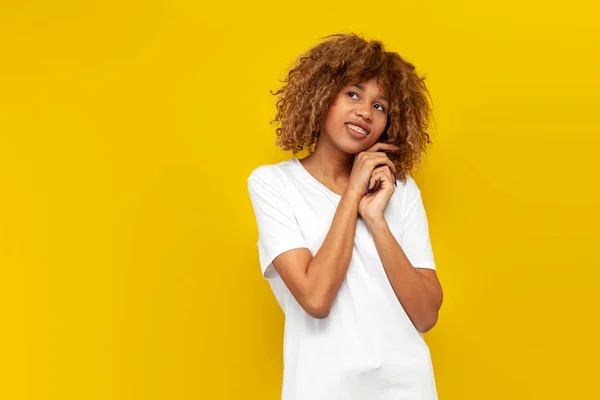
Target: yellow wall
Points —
{"points": [[128, 264]]}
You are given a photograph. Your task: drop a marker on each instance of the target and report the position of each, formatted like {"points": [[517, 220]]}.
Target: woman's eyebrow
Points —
{"points": [[361, 87]]}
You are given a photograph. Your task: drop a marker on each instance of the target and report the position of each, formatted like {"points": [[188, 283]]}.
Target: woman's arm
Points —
{"points": [[314, 282], [418, 289]]}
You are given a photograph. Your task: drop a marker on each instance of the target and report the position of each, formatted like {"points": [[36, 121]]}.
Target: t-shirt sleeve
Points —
{"points": [[415, 233], [278, 230]]}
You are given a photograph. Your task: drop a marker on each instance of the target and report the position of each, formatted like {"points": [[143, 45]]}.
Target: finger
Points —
{"points": [[388, 173], [373, 180], [383, 174], [382, 146], [373, 183], [367, 162], [381, 159], [391, 175], [377, 178], [382, 168], [375, 161]]}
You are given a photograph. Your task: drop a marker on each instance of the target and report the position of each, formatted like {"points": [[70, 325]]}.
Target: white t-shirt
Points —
{"points": [[367, 348]]}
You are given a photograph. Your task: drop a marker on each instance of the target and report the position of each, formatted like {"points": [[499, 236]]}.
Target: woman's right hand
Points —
{"points": [[364, 164]]}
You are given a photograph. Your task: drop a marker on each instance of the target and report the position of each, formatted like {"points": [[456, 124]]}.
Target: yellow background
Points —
{"points": [[128, 259]]}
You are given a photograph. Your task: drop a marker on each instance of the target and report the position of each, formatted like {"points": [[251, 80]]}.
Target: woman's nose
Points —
{"points": [[364, 111]]}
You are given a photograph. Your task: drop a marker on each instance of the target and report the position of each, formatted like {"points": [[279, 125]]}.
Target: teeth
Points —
{"points": [[357, 129]]}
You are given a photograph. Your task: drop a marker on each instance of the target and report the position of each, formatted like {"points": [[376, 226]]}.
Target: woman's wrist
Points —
{"points": [[375, 222], [352, 194]]}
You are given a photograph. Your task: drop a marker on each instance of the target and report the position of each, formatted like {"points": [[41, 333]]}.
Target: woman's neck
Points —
{"points": [[329, 166]]}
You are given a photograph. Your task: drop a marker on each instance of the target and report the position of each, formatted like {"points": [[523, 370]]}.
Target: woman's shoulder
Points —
{"points": [[409, 185], [407, 192], [272, 172]]}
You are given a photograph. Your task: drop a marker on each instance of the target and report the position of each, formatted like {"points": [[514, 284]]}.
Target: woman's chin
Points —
{"points": [[356, 148]]}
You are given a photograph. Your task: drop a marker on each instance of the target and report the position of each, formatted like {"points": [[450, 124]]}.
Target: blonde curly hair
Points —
{"points": [[319, 75]]}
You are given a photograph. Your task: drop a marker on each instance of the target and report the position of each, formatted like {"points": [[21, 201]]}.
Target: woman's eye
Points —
{"points": [[381, 108]]}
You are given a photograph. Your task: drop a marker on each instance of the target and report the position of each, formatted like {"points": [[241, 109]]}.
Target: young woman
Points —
{"points": [[343, 234]]}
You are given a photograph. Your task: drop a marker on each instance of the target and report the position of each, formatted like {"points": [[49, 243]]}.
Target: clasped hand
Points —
{"points": [[373, 178]]}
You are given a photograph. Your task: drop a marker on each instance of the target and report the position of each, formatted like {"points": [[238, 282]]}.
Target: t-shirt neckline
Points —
{"points": [[298, 164]]}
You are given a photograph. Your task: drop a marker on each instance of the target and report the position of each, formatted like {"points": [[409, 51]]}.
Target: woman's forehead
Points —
{"points": [[363, 84]]}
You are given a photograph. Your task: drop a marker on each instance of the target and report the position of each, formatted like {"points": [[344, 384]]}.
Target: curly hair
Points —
{"points": [[312, 85]]}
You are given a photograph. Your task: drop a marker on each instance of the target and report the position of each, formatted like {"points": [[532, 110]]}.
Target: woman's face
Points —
{"points": [[357, 117]]}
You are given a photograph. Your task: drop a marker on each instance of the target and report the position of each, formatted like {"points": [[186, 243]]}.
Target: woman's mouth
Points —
{"points": [[357, 129]]}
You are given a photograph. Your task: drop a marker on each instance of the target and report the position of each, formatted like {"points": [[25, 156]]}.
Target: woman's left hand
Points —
{"points": [[372, 205]]}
